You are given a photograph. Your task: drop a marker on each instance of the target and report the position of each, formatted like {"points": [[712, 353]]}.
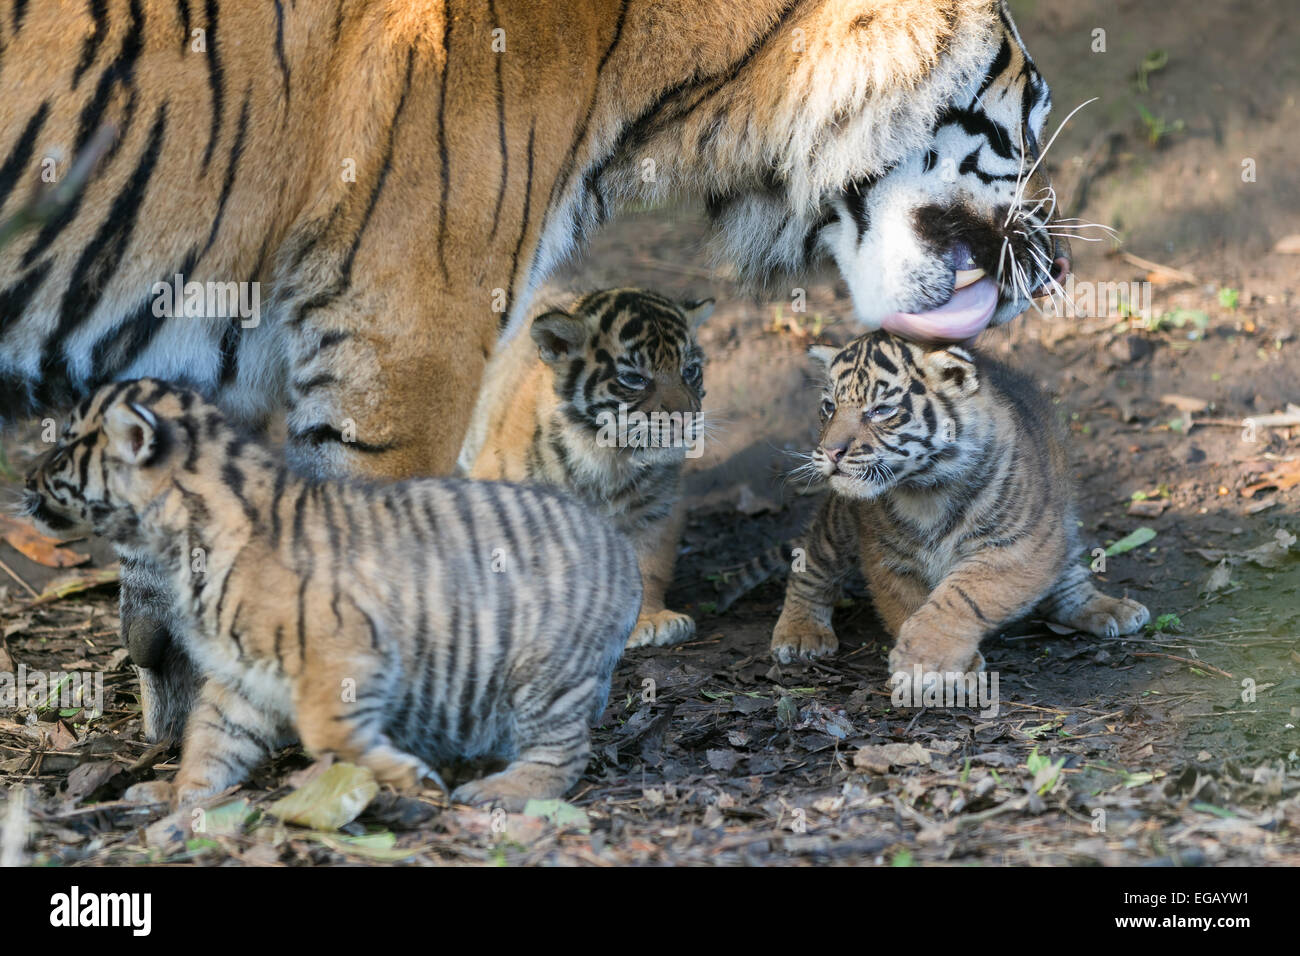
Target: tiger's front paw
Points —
{"points": [[661, 629], [186, 794], [922, 659], [150, 791], [799, 635]]}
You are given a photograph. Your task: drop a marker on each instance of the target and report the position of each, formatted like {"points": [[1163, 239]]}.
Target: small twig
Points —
{"points": [[14, 574], [1167, 271], [1184, 660]]}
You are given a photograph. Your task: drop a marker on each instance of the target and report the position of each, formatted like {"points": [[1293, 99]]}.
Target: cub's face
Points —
{"points": [[893, 414], [628, 357], [111, 458]]}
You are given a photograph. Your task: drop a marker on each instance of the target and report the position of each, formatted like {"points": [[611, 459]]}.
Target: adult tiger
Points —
{"points": [[398, 176]]}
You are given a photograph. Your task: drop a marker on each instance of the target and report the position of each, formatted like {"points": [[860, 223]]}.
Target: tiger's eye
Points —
{"points": [[632, 380], [691, 375], [828, 408], [882, 413]]}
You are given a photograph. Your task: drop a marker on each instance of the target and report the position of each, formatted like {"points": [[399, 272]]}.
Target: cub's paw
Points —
{"points": [[918, 665], [400, 770], [800, 636], [150, 791], [190, 794], [661, 629], [511, 789], [1106, 616]]}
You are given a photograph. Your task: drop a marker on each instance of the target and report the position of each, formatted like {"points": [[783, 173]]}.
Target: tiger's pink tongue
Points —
{"points": [[960, 318]]}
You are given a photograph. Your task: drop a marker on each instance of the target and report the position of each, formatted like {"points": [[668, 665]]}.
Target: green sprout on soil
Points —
{"points": [[1046, 771], [1160, 491], [1153, 62], [1165, 624], [1228, 298], [1157, 126]]}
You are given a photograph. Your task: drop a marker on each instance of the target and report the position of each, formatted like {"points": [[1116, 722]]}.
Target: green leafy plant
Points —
{"points": [[1157, 126], [1165, 623], [1046, 771]]}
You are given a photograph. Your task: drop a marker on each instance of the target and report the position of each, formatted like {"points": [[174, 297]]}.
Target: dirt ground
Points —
{"points": [[1178, 746]]}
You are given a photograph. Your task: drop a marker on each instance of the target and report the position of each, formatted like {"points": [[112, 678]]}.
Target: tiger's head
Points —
{"points": [[922, 128], [119, 448], [894, 414], [627, 367]]}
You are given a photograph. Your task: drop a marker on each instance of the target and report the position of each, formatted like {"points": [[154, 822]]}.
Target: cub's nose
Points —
{"points": [[835, 452]]}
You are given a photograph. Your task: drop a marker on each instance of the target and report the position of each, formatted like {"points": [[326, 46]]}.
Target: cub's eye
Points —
{"points": [[691, 374], [828, 408], [882, 413], [633, 380]]}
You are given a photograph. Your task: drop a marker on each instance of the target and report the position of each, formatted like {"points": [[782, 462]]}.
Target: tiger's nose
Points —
{"points": [[1060, 269], [1061, 261], [835, 452]]}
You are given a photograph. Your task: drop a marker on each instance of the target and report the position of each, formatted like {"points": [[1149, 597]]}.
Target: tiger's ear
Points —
{"points": [[559, 336], [956, 368], [823, 355], [697, 312], [132, 432]]}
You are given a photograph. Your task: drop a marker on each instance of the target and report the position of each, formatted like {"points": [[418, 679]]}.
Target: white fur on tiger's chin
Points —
{"points": [[859, 489]]}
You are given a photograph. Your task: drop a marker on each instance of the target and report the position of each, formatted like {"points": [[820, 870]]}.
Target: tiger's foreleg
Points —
{"points": [[656, 548], [378, 396], [226, 737], [169, 682], [829, 553], [976, 598]]}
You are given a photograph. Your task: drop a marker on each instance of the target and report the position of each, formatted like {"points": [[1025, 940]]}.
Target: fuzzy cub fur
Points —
{"points": [[399, 626], [565, 408], [949, 486]]}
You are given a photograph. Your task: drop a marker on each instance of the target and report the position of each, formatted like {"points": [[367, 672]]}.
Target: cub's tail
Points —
{"points": [[734, 585]]}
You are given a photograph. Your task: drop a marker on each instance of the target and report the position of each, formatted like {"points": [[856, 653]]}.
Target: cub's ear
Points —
{"points": [[823, 355], [697, 312], [132, 432], [559, 336], [956, 368]]}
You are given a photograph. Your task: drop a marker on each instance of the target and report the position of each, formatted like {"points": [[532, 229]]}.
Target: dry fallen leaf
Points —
{"points": [[1148, 508], [1269, 555], [1185, 403], [1289, 245], [1219, 579], [329, 801], [1285, 475], [35, 546], [878, 758], [77, 582]]}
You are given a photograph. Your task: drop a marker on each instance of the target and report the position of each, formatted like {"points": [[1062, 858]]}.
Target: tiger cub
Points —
{"points": [[399, 626], [604, 401], [948, 486]]}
